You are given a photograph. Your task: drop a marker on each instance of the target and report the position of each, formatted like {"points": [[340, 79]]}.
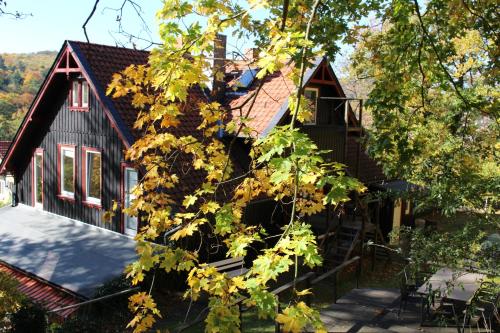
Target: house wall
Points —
{"points": [[62, 126], [329, 131]]}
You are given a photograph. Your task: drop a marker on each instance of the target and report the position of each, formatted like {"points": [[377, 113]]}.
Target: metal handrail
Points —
{"points": [[335, 270], [306, 277], [95, 300]]}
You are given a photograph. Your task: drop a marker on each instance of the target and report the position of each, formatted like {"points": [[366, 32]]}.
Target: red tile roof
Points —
{"points": [[4, 145], [42, 292], [275, 91]]}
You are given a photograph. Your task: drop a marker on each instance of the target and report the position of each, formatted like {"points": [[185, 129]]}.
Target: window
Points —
{"points": [[312, 95], [66, 170], [85, 94], [79, 94], [92, 176]]}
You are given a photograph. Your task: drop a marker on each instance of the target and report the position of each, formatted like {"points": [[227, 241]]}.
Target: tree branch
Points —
{"points": [[84, 26]]}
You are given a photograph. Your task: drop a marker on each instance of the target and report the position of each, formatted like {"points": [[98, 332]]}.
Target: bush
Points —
{"points": [[110, 315], [31, 318], [10, 299]]}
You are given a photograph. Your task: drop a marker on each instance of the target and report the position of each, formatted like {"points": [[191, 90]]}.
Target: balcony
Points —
{"points": [[338, 128]]}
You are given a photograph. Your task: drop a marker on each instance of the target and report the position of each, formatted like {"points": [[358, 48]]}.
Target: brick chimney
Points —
{"points": [[252, 54], [218, 84]]}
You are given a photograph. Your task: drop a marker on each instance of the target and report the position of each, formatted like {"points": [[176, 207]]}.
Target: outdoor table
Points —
{"points": [[450, 285]]}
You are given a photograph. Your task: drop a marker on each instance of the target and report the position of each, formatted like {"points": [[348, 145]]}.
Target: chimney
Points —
{"points": [[218, 72], [252, 54]]}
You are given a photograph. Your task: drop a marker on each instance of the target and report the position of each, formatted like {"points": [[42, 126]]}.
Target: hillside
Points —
{"points": [[20, 77]]}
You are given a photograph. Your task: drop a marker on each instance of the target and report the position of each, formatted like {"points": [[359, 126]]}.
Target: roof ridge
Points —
{"points": [[105, 45]]}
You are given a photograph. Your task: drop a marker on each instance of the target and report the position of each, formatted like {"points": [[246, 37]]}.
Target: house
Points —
{"points": [[6, 180], [68, 163]]}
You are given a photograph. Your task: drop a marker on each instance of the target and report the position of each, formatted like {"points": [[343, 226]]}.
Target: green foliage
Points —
{"points": [[20, 78], [286, 166], [31, 317], [434, 69], [11, 299]]}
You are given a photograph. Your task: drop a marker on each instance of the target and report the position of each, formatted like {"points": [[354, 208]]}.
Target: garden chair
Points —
{"points": [[484, 308]]}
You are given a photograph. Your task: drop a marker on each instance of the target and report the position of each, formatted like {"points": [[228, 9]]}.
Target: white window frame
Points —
{"points": [[75, 94], [314, 120], [88, 198], [62, 192], [85, 94], [127, 231]]}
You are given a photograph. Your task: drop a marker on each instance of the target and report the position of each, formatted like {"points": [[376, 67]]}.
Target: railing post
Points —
{"points": [[240, 309], [358, 272], [277, 328], [334, 287]]}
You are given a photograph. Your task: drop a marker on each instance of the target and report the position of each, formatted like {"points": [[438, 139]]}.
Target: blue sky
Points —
{"points": [[54, 21]]}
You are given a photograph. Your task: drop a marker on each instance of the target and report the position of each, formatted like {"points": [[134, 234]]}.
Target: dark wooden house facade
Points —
{"points": [[67, 157]]}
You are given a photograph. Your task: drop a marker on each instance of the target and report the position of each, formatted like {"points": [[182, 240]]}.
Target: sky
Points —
{"points": [[54, 21]]}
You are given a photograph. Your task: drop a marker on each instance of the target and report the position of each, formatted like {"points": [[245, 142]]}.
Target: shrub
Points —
{"points": [[31, 318]]}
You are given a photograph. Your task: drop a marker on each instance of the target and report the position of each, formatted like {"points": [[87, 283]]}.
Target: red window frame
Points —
{"points": [[60, 195], [86, 202], [38, 151], [79, 105]]}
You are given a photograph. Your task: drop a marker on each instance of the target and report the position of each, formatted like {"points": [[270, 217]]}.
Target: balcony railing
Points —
{"points": [[338, 129]]}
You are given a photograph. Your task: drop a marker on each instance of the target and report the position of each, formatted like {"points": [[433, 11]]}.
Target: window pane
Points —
{"points": [[85, 93], [38, 172], [68, 172], [74, 94], [94, 175], [311, 95]]}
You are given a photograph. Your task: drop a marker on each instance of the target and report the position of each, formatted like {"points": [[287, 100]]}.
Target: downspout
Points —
{"points": [[14, 192]]}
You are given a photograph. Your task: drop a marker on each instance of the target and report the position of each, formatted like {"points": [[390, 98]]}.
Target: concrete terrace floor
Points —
{"points": [[71, 254], [376, 310]]}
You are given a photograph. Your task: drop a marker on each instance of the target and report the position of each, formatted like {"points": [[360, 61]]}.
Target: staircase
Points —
{"points": [[349, 231]]}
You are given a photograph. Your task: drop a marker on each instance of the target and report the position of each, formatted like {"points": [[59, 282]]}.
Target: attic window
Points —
{"points": [[79, 95], [311, 94]]}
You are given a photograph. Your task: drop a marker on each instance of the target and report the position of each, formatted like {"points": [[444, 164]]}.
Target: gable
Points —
{"points": [[73, 60], [270, 105]]}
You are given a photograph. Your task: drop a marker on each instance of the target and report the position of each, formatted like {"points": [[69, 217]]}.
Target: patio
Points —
{"points": [[68, 253]]}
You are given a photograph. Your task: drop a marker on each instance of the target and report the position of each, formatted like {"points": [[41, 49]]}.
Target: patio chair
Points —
{"points": [[484, 308], [407, 288]]}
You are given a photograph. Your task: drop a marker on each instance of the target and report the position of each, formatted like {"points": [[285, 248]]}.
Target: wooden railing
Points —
{"points": [[309, 278]]}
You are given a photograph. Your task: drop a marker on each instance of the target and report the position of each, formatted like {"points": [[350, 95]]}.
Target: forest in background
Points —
{"points": [[20, 77]]}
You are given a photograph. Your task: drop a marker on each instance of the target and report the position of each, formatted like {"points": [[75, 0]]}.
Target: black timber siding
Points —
{"points": [[57, 124], [329, 132]]}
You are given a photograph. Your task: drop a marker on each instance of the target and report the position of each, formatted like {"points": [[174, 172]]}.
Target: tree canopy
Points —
{"points": [[434, 103], [434, 70]]}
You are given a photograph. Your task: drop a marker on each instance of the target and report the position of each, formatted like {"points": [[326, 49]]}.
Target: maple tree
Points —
{"points": [[434, 100], [285, 164], [435, 122]]}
